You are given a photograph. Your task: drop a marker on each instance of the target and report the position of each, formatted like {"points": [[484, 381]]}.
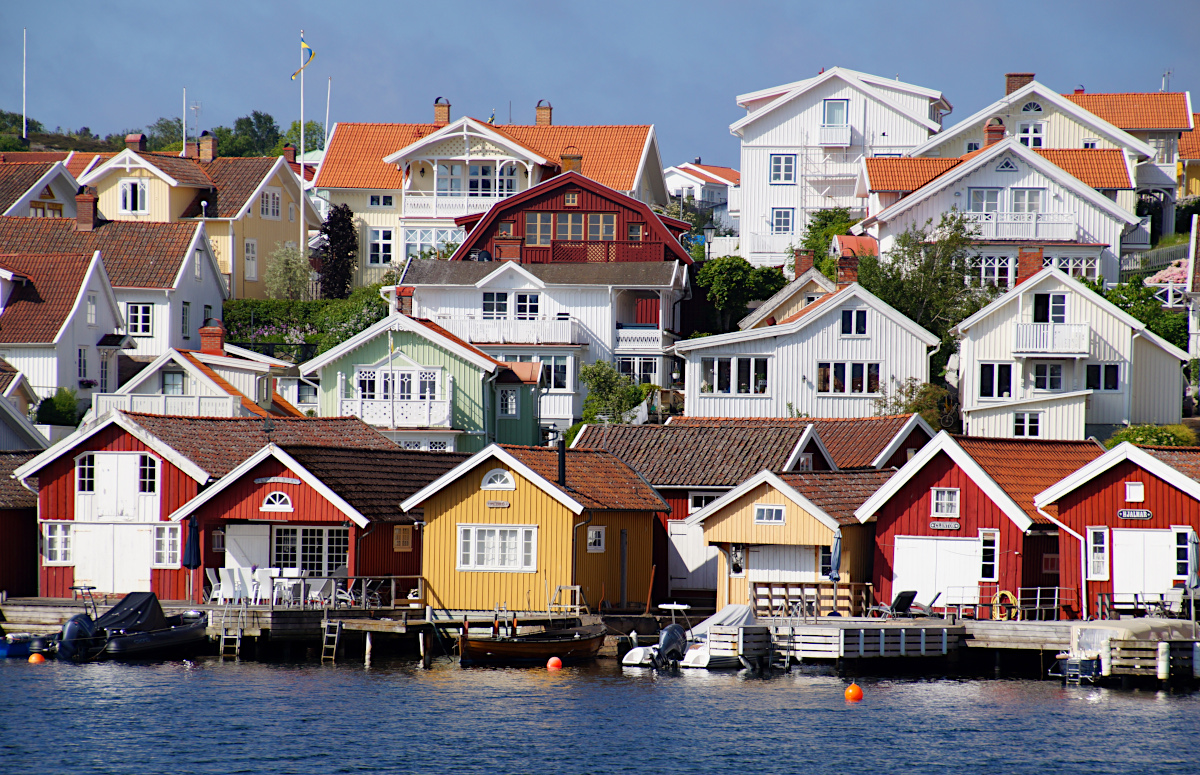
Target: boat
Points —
{"points": [[697, 652], [134, 628], [572, 645], [21, 645]]}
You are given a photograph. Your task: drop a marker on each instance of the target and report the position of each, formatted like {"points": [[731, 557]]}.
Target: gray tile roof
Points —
{"points": [[641, 273]]}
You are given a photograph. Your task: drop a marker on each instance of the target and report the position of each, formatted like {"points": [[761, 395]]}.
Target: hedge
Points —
{"points": [[325, 323], [1154, 435]]}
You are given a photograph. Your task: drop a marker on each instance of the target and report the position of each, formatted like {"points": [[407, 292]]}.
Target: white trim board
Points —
{"points": [[396, 322], [492, 451], [1118, 454], [773, 480]]}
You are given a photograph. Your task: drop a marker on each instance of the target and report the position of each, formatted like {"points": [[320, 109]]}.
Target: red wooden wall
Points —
{"points": [[19, 552], [917, 438], [819, 463]]}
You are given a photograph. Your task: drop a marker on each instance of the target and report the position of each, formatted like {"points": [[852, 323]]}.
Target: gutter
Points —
{"points": [[1083, 598]]}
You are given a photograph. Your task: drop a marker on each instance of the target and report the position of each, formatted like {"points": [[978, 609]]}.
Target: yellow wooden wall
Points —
{"points": [[268, 232], [735, 522], [158, 196], [600, 573]]}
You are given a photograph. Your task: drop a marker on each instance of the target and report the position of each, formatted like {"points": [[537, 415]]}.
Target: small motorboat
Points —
{"points": [[134, 628], [571, 645], [667, 653]]}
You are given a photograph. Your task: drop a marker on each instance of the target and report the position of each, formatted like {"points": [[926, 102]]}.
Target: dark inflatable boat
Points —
{"points": [[134, 628]]}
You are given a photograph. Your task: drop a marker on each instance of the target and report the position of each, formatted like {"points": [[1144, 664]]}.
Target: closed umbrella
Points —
{"points": [[835, 563], [1193, 579], [191, 551]]}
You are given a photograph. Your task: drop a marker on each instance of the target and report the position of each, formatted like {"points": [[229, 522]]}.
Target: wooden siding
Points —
{"points": [[19, 552], [730, 589], [158, 196], [1061, 130], [269, 232], [1158, 399], [735, 523], [378, 557], [1060, 419]]}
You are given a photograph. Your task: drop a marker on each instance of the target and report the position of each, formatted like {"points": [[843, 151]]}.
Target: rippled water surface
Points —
{"points": [[213, 717]]}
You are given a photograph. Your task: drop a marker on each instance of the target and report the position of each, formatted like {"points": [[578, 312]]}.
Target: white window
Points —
{"points": [[133, 197], [1182, 565], [56, 548], [381, 200], [642, 370], [698, 500], [1091, 142], [172, 383], [439, 446], [1165, 145], [1027, 200], [1027, 424], [291, 211], [185, 320], [556, 372], [91, 309], [595, 540], [783, 168], [504, 548], [449, 179], [317, 551], [1047, 376], [836, 112], [276, 501], [990, 270], [506, 183], [139, 319], [734, 376], [85, 473], [527, 306], [480, 178], [1075, 266], [251, 260], [804, 462], [768, 514], [510, 403], [498, 479], [495, 305], [268, 204], [989, 567], [147, 474], [418, 241], [1135, 492], [983, 200], [306, 393], [1031, 133], [972, 146], [781, 220], [103, 372], [198, 265], [853, 378], [995, 380], [826, 562], [1007, 165], [1049, 308], [854, 322], [380, 250], [166, 546], [1031, 107], [82, 363], [1097, 545], [945, 502], [1103, 376]]}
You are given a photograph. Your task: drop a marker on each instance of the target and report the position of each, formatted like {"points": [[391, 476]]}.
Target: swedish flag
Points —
{"points": [[492, 120], [304, 47]]}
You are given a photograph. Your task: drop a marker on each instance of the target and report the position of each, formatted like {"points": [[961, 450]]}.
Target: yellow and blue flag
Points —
{"points": [[492, 120], [304, 47]]}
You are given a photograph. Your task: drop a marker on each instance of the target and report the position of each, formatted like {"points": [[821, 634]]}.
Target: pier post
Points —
{"points": [[1164, 660], [997, 667], [367, 650]]}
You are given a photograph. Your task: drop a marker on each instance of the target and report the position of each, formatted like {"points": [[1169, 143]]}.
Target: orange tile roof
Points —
{"points": [[434, 327], [38, 307], [1189, 144], [905, 173], [1025, 467], [81, 162], [1138, 110], [280, 407], [22, 156], [726, 173], [858, 246], [1096, 167], [16, 178], [595, 479], [354, 158], [808, 308]]}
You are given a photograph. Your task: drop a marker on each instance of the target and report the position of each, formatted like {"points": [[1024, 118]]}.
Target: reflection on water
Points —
{"points": [[214, 717]]}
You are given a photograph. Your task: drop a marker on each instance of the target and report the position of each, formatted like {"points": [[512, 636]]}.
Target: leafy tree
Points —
{"points": [[59, 409], [231, 144], [730, 283], [10, 122], [288, 275], [932, 402], [314, 138], [1138, 299], [823, 226], [924, 276], [338, 252], [610, 393], [11, 143], [162, 133], [260, 130]]}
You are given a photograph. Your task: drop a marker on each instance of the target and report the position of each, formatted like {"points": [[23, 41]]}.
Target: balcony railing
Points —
{"points": [[1048, 226], [594, 251], [398, 414], [643, 338], [835, 134], [429, 205], [539, 330], [768, 243], [183, 406], [1052, 338]]}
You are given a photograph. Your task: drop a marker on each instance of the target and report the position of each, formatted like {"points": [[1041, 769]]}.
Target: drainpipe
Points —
{"points": [[1083, 597], [358, 545], [490, 380]]}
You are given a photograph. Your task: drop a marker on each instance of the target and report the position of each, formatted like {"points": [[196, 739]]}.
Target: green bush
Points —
{"points": [[573, 431], [1154, 435], [326, 322], [59, 409]]}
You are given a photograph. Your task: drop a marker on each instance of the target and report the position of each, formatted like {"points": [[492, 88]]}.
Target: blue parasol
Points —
{"points": [[835, 563], [1193, 579], [191, 551]]}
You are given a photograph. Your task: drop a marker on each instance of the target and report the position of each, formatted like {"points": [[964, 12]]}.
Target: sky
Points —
{"points": [[677, 65]]}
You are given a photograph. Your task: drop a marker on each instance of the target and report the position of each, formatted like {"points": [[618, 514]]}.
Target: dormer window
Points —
{"points": [[1031, 107], [1031, 133], [571, 199], [133, 197], [268, 204]]}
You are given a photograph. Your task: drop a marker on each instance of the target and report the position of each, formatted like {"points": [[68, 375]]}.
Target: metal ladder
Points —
{"points": [[332, 636], [231, 636], [781, 647]]}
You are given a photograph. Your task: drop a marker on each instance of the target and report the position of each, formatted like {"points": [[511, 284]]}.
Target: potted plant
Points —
{"points": [[88, 383]]}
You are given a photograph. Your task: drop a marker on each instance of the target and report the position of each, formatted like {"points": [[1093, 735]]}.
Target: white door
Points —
{"points": [[1143, 561], [108, 478], [691, 562], [932, 565], [247, 546], [93, 551], [133, 546], [770, 562]]}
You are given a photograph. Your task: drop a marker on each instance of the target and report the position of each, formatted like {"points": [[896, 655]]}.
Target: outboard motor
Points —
{"points": [[672, 645], [77, 639]]}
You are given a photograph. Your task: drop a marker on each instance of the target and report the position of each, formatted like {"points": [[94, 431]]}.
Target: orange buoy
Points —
{"points": [[854, 693], [554, 663], [36, 659]]}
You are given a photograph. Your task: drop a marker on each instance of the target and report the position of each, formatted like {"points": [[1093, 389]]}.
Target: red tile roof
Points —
{"points": [[858, 246], [186, 171], [17, 178], [85, 162], [234, 179], [136, 254], [1096, 167], [1025, 467], [1185, 460], [1138, 110], [725, 173], [595, 479], [1189, 143], [354, 159], [37, 308], [40, 156], [13, 494], [838, 493], [905, 173], [8, 372]]}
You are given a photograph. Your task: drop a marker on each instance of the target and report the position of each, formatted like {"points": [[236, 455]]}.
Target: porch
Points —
{"points": [[784, 599], [187, 406], [1010, 225], [477, 329], [428, 204], [1051, 339], [593, 251]]}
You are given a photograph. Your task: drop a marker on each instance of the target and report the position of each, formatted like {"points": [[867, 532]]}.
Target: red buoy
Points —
{"points": [[854, 693], [36, 659], [554, 663]]}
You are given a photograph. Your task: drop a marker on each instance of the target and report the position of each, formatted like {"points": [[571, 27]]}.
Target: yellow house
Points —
{"points": [[775, 534], [512, 524], [248, 204]]}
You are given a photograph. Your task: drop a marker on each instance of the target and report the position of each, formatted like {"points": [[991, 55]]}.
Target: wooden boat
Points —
{"points": [[574, 645]]}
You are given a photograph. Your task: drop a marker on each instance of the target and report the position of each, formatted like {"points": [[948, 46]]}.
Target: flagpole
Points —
{"points": [[24, 58], [303, 228]]}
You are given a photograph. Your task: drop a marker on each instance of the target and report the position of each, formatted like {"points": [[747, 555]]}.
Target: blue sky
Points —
{"points": [[677, 65]]}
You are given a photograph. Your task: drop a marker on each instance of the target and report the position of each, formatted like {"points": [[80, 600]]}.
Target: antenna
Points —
{"points": [[196, 118], [1166, 79]]}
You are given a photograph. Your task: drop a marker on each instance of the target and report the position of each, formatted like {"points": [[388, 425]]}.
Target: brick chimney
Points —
{"points": [[212, 337], [1079, 90], [993, 132], [847, 269], [136, 142], [572, 159], [289, 153], [208, 146], [1014, 81], [544, 113], [191, 150], [1029, 263], [804, 261], [441, 111], [85, 209]]}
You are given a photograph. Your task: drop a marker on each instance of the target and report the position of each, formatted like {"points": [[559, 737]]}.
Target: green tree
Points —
{"points": [[932, 402], [260, 131], [1138, 299], [730, 283], [610, 393], [10, 123], [59, 409], [12, 143], [823, 226], [231, 144], [1155, 435], [924, 278], [287, 277], [314, 138], [338, 252], [162, 133]]}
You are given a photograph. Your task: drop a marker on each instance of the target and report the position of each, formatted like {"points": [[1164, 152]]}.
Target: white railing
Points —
{"points": [[446, 206], [1052, 338], [725, 246], [641, 339], [398, 414], [1055, 226], [1172, 295], [541, 330], [768, 243], [735, 201], [184, 406], [837, 134]]}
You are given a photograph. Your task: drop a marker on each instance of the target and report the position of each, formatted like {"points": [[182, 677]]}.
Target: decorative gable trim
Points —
{"points": [[1007, 165], [461, 126], [767, 478], [396, 322], [508, 267], [125, 161]]}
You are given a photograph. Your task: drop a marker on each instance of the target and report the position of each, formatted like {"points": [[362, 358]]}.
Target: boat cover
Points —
{"points": [[1088, 638], [729, 616], [137, 612]]}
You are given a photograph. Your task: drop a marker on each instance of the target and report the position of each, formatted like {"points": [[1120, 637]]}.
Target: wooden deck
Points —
{"points": [[1036, 636]]}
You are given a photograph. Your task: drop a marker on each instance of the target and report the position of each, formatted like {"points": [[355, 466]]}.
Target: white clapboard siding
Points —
{"points": [[1061, 418], [1159, 382]]}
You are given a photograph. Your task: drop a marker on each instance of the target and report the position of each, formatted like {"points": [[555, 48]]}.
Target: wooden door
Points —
{"points": [[931, 565], [692, 563], [93, 552], [247, 546], [1143, 561], [133, 546]]}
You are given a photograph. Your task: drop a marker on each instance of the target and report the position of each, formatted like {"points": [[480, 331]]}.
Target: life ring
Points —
{"points": [[1004, 605]]}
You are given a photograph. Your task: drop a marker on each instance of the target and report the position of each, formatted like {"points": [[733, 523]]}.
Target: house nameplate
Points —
{"points": [[938, 524], [1134, 514], [497, 504], [277, 480]]}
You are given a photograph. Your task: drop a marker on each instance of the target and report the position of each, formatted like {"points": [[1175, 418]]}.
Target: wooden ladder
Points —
{"points": [[332, 636]]}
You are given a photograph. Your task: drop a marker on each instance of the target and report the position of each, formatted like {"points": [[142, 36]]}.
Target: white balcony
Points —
{"points": [[1051, 339], [398, 414], [835, 134], [539, 330], [183, 406], [643, 339], [428, 205], [768, 243], [1040, 226]]}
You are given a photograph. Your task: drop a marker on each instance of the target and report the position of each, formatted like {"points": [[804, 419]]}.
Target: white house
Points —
{"points": [[1051, 359], [707, 185], [37, 190], [802, 143], [832, 358], [809, 285]]}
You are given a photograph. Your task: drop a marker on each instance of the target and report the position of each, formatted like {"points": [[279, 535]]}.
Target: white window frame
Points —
{"points": [[139, 318], [995, 380], [1030, 131], [804, 462], [250, 260], [995, 270], [527, 305], [330, 561], [169, 390], [972, 146], [509, 402], [1102, 374], [1185, 532], [706, 494], [987, 194], [1135, 492], [770, 514], [944, 497], [848, 378], [642, 369], [1091, 143], [138, 187], [81, 362], [496, 307], [826, 104], [1075, 266], [198, 265], [103, 372], [269, 203], [1093, 557], [85, 473], [380, 247], [498, 479], [1049, 377], [1028, 425], [734, 368], [380, 201], [596, 540], [91, 309], [1031, 107], [185, 320], [218, 540], [782, 169], [994, 535], [148, 475], [1025, 198], [778, 217], [467, 537], [57, 547], [854, 322], [166, 547], [276, 500]]}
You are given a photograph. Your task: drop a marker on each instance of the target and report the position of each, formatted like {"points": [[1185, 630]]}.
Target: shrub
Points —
{"points": [[326, 323], [1154, 435], [59, 409]]}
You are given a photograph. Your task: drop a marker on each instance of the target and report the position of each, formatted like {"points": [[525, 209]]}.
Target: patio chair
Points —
{"points": [[214, 584], [901, 606], [925, 610], [266, 586], [321, 591], [230, 586]]}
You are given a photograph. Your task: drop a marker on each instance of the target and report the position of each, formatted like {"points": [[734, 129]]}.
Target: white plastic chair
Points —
{"points": [[214, 583], [266, 586], [229, 586], [320, 593]]}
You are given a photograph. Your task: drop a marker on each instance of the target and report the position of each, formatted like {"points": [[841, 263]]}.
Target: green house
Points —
{"points": [[425, 388]]}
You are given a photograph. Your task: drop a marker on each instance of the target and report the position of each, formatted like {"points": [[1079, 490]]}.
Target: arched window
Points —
{"points": [[1031, 107], [276, 501], [498, 479]]}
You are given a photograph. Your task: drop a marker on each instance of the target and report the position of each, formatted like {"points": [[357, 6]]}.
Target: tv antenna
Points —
{"points": [[1166, 79], [195, 108]]}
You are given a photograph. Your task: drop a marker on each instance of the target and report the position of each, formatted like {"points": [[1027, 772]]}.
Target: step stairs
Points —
{"points": [[781, 648], [233, 628], [329, 642]]}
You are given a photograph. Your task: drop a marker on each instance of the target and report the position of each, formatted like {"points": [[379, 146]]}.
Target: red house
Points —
{"points": [[1125, 519], [18, 529], [959, 520], [571, 218]]}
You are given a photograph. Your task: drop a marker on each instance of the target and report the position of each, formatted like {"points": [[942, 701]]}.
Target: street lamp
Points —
{"points": [[710, 231]]}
